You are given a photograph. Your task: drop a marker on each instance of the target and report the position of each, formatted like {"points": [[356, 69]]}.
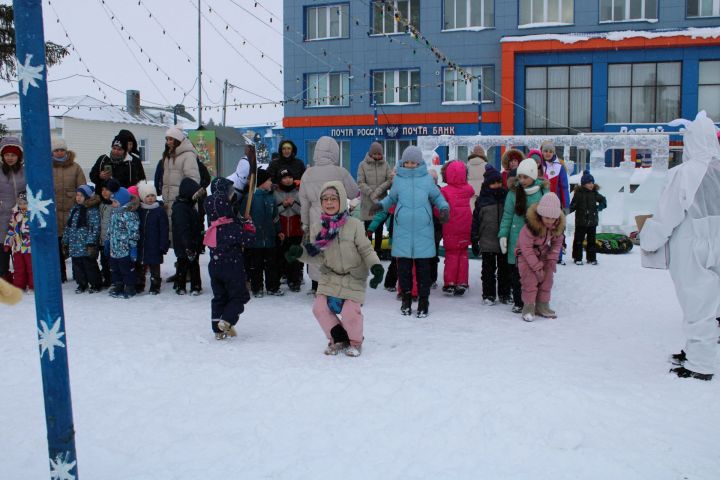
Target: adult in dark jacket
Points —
{"points": [[226, 237], [586, 203], [154, 239], [12, 182], [286, 161], [120, 165], [132, 144], [187, 237]]}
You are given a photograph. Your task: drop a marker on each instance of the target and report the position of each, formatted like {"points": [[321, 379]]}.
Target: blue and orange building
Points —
{"points": [[546, 67]]}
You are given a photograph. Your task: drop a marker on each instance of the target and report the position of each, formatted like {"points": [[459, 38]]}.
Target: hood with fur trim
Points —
{"points": [[340, 188], [579, 188], [536, 226], [511, 153]]}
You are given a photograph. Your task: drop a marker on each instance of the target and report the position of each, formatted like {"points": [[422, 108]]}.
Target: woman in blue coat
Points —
{"points": [[414, 193]]}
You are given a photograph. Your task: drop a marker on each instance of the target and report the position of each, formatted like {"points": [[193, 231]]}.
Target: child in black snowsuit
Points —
{"points": [[226, 236], [487, 214], [187, 237], [586, 203], [154, 241], [288, 204]]}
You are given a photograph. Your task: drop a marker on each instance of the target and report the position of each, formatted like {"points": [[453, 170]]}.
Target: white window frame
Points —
{"points": [[345, 152], [398, 28], [470, 87], [143, 148], [627, 9], [469, 6], [701, 86], [392, 155], [715, 9], [343, 15], [544, 22], [316, 101], [397, 88]]}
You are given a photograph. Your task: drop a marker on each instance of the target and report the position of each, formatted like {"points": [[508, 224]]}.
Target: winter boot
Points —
{"points": [[155, 286], [449, 289], [406, 307], [543, 309], [129, 292], [334, 348], [505, 299], [460, 290], [276, 293], [80, 289], [227, 328], [423, 307], [578, 262], [258, 294], [517, 309], [528, 312], [353, 351], [488, 301], [683, 372], [678, 358], [116, 291]]}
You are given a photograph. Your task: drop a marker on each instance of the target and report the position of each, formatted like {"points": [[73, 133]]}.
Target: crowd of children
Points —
{"points": [[513, 220]]}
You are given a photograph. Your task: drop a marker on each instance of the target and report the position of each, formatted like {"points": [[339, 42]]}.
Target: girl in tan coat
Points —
{"points": [[344, 255]]}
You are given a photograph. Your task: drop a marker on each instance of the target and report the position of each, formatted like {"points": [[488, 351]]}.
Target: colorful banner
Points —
{"points": [[204, 142]]}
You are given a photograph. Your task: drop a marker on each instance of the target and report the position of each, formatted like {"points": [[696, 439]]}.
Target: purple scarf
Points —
{"points": [[330, 228]]}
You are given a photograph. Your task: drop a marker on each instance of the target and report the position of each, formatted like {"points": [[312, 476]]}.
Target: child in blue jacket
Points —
{"points": [[123, 234], [82, 236], [414, 193]]}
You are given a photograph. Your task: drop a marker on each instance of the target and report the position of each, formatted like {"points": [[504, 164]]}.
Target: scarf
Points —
{"points": [[151, 206], [59, 160], [211, 235], [81, 213], [330, 226], [287, 188]]}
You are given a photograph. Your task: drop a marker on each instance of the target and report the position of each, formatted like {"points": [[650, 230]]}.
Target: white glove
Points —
{"points": [[503, 245]]}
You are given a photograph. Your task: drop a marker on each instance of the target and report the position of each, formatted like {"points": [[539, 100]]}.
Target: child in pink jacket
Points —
{"points": [[456, 232], [537, 252]]}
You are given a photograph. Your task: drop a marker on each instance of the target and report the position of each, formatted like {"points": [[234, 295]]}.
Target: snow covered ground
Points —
{"points": [[469, 392]]}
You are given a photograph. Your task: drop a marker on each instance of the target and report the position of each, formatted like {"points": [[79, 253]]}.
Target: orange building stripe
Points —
{"points": [[509, 49], [436, 118]]}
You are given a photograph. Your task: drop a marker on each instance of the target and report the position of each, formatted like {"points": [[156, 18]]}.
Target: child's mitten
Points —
{"points": [[377, 271]]}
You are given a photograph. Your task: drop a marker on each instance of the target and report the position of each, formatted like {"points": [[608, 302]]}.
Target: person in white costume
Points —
{"points": [[688, 216]]}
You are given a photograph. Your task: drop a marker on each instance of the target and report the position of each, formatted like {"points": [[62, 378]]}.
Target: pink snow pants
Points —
{"points": [[456, 267], [534, 290], [352, 319]]}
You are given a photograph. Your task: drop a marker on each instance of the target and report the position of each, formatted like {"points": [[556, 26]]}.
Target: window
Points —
{"points": [[396, 86], [394, 148], [643, 92], [703, 8], [457, 89], [142, 148], [383, 15], [330, 21], [628, 10], [327, 90], [545, 11], [345, 158], [709, 89], [557, 99], [459, 14]]}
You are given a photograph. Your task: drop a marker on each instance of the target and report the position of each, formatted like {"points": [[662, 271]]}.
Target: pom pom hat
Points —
{"points": [[528, 167]]}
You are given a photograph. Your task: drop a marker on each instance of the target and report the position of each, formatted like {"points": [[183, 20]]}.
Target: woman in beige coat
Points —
{"points": [[374, 178], [67, 177], [179, 161], [340, 248]]}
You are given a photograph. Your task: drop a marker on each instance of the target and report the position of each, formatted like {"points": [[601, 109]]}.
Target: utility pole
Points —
{"points": [[52, 338], [199, 64], [225, 90], [479, 80]]}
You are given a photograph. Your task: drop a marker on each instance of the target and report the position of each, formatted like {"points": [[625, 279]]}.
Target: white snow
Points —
{"points": [[469, 392], [703, 32]]}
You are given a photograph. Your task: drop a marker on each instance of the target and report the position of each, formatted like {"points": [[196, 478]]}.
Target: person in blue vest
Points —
{"points": [[414, 193]]}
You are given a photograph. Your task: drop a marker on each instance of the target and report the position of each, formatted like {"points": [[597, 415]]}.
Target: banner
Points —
{"points": [[204, 142]]}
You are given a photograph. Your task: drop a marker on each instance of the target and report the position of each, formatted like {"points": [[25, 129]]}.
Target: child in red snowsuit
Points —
{"points": [[456, 232], [17, 242]]}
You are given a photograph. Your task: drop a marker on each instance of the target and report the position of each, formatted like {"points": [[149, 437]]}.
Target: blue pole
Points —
{"points": [[31, 77], [479, 79]]}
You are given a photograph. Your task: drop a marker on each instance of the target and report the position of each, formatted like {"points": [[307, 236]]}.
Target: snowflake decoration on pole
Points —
{"points": [[37, 206], [50, 338], [60, 468], [27, 74]]}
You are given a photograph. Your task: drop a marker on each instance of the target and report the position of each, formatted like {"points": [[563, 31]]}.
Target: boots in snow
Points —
{"points": [[678, 358], [460, 290], [505, 299], [334, 348], [449, 289], [423, 307], [543, 309], [517, 308], [155, 287], [116, 291], [528, 312], [406, 307], [353, 351], [227, 328], [129, 292], [683, 372], [488, 301]]}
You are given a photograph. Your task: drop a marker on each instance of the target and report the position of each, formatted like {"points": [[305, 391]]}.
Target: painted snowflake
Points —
{"points": [[50, 338], [27, 74], [60, 467], [37, 206]]}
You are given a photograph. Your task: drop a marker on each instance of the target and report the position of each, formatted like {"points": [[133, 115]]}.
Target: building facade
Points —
{"points": [[353, 72]]}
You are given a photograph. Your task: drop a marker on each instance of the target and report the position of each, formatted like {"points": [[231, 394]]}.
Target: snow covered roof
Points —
{"points": [[83, 107], [708, 32]]}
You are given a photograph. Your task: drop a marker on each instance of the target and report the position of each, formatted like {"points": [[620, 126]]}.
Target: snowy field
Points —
{"points": [[471, 392]]}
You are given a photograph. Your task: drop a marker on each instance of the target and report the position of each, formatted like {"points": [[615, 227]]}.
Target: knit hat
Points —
{"points": [[133, 190], [547, 144], [491, 175], [145, 189], [412, 154], [375, 148], [587, 178], [59, 143], [11, 145], [535, 154], [285, 173], [176, 133], [549, 206], [112, 185], [122, 196], [528, 167], [119, 141], [262, 176], [86, 190]]}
